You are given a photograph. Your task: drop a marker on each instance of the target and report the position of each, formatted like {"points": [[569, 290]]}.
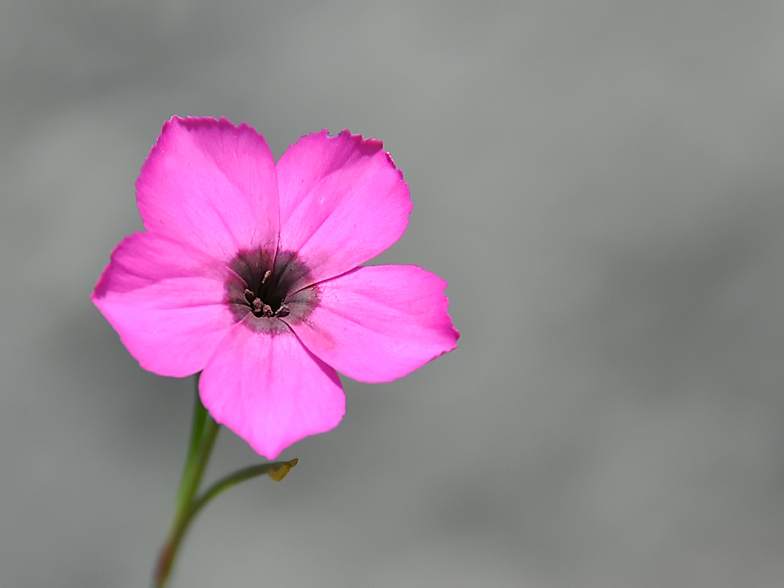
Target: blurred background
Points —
{"points": [[602, 184]]}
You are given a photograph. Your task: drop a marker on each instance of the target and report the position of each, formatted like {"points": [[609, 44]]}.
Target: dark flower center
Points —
{"points": [[260, 292]]}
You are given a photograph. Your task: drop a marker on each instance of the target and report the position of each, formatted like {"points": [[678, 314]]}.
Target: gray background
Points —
{"points": [[601, 182]]}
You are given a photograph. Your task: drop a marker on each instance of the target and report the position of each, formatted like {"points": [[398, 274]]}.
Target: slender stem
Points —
{"points": [[277, 471], [203, 433], [187, 490], [211, 429], [204, 430]]}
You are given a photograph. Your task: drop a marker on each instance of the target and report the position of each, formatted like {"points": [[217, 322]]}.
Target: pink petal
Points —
{"points": [[210, 184], [379, 323], [270, 390], [342, 202], [165, 299]]}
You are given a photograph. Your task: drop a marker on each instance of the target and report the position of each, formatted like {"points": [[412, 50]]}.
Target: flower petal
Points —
{"points": [[342, 202], [210, 184], [166, 300], [378, 323], [270, 390]]}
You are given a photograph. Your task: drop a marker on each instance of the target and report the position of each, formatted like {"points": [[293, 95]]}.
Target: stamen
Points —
{"points": [[265, 292]]}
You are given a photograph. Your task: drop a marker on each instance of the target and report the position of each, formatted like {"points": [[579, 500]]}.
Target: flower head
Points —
{"points": [[250, 272]]}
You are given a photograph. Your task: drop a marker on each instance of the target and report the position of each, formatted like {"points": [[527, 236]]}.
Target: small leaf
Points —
{"points": [[279, 472]]}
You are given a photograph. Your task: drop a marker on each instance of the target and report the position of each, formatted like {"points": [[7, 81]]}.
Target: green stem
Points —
{"points": [[187, 490], [204, 430], [276, 470]]}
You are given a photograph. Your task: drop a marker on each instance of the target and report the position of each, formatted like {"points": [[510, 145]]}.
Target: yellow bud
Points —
{"points": [[279, 472]]}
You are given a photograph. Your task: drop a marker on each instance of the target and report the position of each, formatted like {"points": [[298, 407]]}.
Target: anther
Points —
{"points": [[259, 295]]}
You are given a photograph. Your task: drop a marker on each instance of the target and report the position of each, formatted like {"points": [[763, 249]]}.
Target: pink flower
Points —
{"points": [[249, 271]]}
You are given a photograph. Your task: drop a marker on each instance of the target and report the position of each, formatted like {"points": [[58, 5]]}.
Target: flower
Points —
{"points": [[248, 271]]}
